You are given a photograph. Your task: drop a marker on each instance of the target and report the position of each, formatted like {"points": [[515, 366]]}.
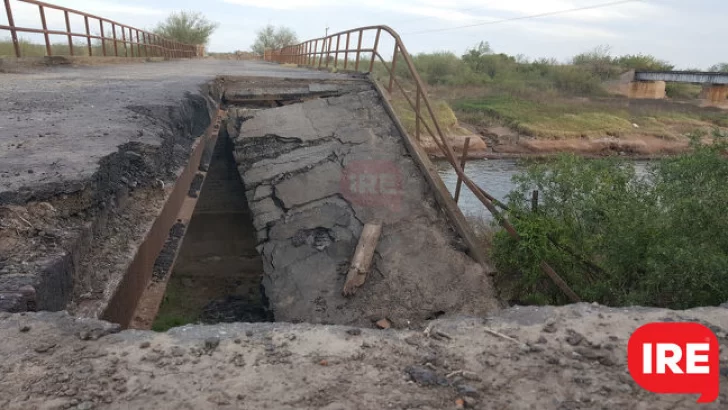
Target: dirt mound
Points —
{"points": [[570, 357]]}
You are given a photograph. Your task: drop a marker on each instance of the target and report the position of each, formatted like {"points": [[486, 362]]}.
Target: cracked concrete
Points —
{"points": [[315, 173], [87, 158]]}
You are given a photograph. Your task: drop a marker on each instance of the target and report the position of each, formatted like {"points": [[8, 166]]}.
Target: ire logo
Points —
{"points": [[373, 183], [675, 358]]}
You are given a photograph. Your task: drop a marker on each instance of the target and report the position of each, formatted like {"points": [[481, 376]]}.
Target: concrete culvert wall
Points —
{"points": [[315, 173]]}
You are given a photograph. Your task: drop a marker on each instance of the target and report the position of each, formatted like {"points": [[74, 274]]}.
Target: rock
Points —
{"points": [[384, 324], [542, 340], [468, 390], [354, 332], [608, 360], [134, 156], [412, 340], [550, 327], [724, 371], [211, 343], [459, 404], [219, 398], [98, 331], [573, 338], [87, 405], [249, 333], [424, 376], [588, 353], [24, 329], [471, 376], [44, 347], [144, 345], [239, 360]]}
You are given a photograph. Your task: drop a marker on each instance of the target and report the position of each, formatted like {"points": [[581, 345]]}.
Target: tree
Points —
{"points": [[270, 38], [187, 27], [474, 56], [643, 62], [720, 68], [599, 61]]}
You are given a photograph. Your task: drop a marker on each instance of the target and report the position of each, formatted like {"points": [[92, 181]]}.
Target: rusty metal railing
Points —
{"points": [[123, 41], [327, 52]]}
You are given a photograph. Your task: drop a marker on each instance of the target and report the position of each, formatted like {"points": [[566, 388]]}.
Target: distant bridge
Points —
{"points": [[692, 77], [651, 85]]}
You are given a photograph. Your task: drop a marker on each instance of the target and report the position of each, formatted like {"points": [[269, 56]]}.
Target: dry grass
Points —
{"points": [[30, 49], [567, 118]]}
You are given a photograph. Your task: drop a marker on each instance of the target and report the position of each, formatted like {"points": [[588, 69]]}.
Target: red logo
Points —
{"points": [[676, 358], [373, 183]]}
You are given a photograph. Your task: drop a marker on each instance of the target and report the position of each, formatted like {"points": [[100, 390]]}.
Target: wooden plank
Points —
{"points": [[363, 256]]}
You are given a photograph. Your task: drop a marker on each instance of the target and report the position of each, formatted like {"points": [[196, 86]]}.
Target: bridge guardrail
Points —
{"points": [[326, 52], [147, 44]]}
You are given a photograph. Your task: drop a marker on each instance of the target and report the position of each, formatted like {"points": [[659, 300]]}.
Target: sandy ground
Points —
{"points": [[571, 357]]}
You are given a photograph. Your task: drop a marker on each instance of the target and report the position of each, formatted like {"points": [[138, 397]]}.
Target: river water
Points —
{"points": [[495, 177]]}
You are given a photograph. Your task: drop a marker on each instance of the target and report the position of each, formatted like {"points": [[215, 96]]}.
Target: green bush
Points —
{"points": [[618, 238], [683, 91]]}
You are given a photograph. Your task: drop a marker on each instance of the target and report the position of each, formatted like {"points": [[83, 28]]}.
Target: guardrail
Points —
{"points": [[146, 44], [327, 52]]}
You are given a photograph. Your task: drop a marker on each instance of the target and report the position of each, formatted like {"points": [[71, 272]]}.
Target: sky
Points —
{"points": [[688, 33]]}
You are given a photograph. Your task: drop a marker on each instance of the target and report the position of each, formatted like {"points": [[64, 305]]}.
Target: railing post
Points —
{"points": [[116, 47], [139, 47], [321, 56], [144, 42], [459, 184], [103, 37], [13, 33], [417, 113], [45, 31], [358, 50], [328, 51], [394, 68], [88, 36], [68, 32], [315, 50], [346, 53], [123, 39], [336, 56], [131, 42], [375, 50]]}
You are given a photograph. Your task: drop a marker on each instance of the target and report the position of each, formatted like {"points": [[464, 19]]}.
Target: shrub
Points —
{"points": [[682, 91], [618, 238], [187, 27]]}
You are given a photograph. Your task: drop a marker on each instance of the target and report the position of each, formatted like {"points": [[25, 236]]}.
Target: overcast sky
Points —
{"points": [[689, 33]]}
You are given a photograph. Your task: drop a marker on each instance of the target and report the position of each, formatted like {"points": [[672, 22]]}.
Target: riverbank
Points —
{"points": [[517, 125], [502, 143]]}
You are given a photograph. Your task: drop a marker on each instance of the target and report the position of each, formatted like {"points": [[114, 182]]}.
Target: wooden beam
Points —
{"points": [[363, 256]]}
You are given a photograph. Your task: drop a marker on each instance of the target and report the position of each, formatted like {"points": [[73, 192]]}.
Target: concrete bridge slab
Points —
{"points": [[332, 165]]}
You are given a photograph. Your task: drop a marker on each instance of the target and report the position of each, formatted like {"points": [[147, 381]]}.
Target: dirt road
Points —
{"points": [[554, 358]]}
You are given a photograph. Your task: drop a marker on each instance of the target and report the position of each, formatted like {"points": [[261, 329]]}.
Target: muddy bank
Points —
{"points": [[571, 357], [504, 142], [501, 142]]}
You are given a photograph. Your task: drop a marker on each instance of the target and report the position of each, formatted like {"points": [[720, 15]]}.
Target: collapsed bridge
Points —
{"points": [[326, 160]]}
